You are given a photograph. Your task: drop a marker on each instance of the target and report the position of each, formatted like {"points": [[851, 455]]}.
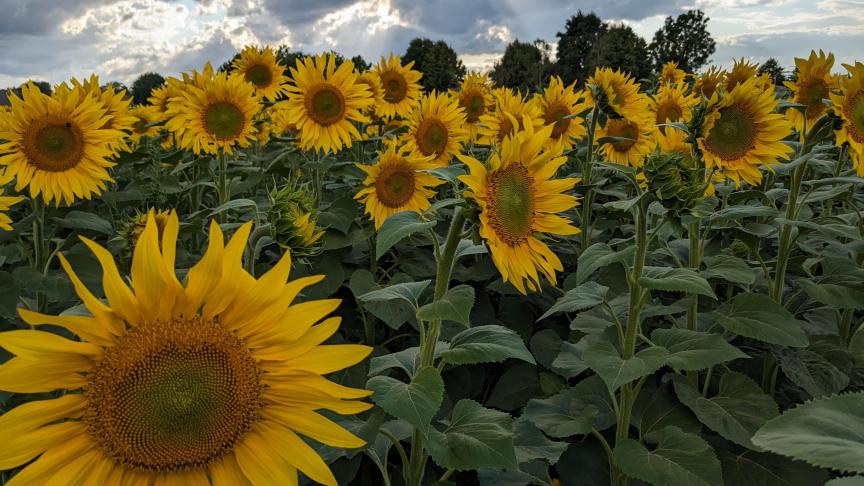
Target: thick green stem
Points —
{"points": [[695, 262], [587, 169], [222, 184], [40, 252], [259, 232]]}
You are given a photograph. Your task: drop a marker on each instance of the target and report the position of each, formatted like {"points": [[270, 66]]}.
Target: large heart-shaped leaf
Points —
{"points": [[615, 371], [680, 459]]}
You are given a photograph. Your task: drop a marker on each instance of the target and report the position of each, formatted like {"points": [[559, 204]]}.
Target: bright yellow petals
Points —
{"points": [[742, 71], [324, 101], [214, 115], [670, 74], [6, 203], [115, 102], [519, 198], [670, 105], [559, 105], [812, 85], [401, 86], [376, 90], [261, 68], [622, 92], [209, 380], [145, 117], [436, 128], [640, 133], [707, 82], [475, 97], [57, 145], [849, 104], [397, 183], [511, 113], [742, 133]]}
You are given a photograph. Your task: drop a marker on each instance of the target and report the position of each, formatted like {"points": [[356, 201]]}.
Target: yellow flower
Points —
{"points": [[741, 133], [849, 104], [556, 102], [639, 129], [6, 202], [436, 128], [401, 87], [812, 85], [212, 379], [518, 198], [116, 102], [396, 183], [136, 225], [741, 71], [390, 130], [511, 112], [56, 146], [144, 115], [324, 101], [622, 92], [669, 105], [670, 74], [707, 82], [214, 114], [476, 99], [373, 82], [261, 68], [281, 120]]}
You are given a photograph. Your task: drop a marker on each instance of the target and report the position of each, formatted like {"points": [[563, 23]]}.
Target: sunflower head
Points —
{"points": [[436, 128], [742, 70], [670, 74], [476, 99], [145, 118], [812, 85], [620, 93], [401, 86], [559, 106], [376, 90], [673, 179], [670, 104], [707, 82], [135, 225], [511, 112], [293, 218], [637, 136], [6, 202], [261, 68], [849, 104]]}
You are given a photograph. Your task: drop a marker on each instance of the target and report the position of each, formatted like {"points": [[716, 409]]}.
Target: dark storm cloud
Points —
{"points": [[38, 17]]}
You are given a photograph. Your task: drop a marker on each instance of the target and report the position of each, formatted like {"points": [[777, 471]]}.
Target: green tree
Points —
{"points": [[574, 45], [774, 69], [524, 65], [441, 67], [685, 40], [144, 85], [360, 64], [620, 48]]}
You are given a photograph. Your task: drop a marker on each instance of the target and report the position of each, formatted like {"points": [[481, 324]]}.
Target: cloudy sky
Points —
{"points": [[119, 39]]}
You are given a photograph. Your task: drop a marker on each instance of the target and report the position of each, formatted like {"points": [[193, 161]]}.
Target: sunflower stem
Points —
{"points": [[39, 249], [692, 312], [222, 182], [587, 169]]}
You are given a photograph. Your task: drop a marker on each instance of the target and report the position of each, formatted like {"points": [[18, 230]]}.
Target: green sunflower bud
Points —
{"points": [[134, 226], [739, 248], [293, 220], [673, 180]]}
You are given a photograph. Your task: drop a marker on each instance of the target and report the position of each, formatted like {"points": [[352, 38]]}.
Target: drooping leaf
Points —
{"points": [[694, 350], [475, 437], [561, 415], [839, 296], [531, 443], [81, 220], [675, 280], [408, 291], [398, 227], [729, 268], [415, 402], [486, 344], [580, 298], [758, 317], [811, 371], [680, 458], [656, 408], [765, 469], [598, 256], [455, 306], [615, 371]]}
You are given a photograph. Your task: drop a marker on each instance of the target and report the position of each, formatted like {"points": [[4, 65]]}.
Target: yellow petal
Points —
{"points": [[227, 471], [329, 358], [313, 425], [52, 461], [21, 375], [29, 343], [261, 464], [88, 328], [123, 302]]}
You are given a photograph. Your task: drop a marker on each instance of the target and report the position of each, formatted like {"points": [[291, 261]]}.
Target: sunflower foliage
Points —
{"points": [[312, 273]]}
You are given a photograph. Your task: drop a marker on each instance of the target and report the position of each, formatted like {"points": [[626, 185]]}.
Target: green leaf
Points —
{"points": [[736, 412], [729, 268], [675, 279], [811, 371], [531, 443], [408, 360], [80, 220], [738, 212], [562, 415], [455, 306], [765, 469], [398, 227], [393, 313], [569, 362], [828, 433], [680, 459], [476, 437], [415, 402], [233, 204], [839, 296], [694, 350], [583, 297], [656, 408], [486, 344], [604, 359], [847, 481], [408, 291], [597, 256], [759, 317], [515, 387]]}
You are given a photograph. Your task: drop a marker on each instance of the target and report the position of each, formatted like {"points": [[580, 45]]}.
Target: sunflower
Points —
{"points": [[6, 202], [261, 68], [280, 120], [207, 381], [401, 87], [511, 112], [670, 74], [56, 146], [390, 130], [674, 141], [849, 104], [812, 85], [396, 184], [707, 82], [669, 105], [135, 226], [741, 71], [436, 128], [324, 101], [293, 219], [373, 82], [622, 92], [116, 102], [741, 133], [159, 97], [217, 114], [556, 103], [640, 131], [518, 198], [476, 99], [145, 116]]}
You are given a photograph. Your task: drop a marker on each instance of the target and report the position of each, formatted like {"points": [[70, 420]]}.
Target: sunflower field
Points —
{"points": [[276, 275]]}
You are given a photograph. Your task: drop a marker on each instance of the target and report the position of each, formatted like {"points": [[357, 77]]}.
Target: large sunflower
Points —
{"points": [[401, 87], [518, 198], [641, 132], [324, 101], [373, 82], [145, 117], [436, 128], [669, 105], [707, 82], [6, 202], [214, 114], [670, 74], [849, 104], [511, 112], [475, 97], [554, 104], [396, 183], [207, 381], [742, 70], [622, 92], [116, 102], [56, 145], [261, 68], [812, 85], [741, 133]]}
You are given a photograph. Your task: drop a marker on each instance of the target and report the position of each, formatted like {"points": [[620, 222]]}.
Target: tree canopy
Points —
{"points": [[574, 46], [619, 47], [524, 65], [774, 69], [685, 40], [144, 85], [441, 67]]}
